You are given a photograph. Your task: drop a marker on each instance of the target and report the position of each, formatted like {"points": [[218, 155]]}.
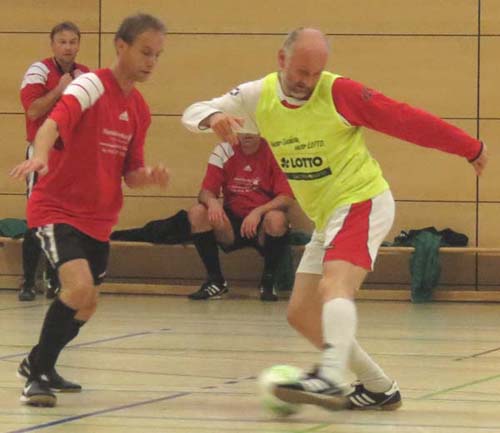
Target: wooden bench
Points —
{"points": [[140, 267]]}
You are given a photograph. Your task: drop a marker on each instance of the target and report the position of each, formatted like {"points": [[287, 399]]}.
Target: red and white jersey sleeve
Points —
{"points": [[40, 78], [361, 106]]}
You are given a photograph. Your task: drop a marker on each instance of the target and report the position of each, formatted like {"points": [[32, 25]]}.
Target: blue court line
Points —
{"points": [[89, 343], [122, 407], [98, 412]]}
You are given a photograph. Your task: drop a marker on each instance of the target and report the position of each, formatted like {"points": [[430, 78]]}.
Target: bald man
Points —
{"points": [[312, 121]]}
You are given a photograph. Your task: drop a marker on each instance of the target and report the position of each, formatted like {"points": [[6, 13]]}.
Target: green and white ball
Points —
{"points": [[268, 379]]}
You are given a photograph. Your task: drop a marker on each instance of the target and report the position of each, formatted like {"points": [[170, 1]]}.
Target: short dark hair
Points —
{"points": [[65, 25], [134, 25]]}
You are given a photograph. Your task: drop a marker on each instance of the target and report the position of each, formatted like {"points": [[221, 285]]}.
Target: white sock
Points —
{"points": [[339, 328], [367, 370]]}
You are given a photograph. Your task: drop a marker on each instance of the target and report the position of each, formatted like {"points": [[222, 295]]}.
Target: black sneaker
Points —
{"points": [[210, 290], [268, 294], [37, 393], [361, 398], [52, 380], [51, 283], [26, 293], [52, 290], [312, 389]]}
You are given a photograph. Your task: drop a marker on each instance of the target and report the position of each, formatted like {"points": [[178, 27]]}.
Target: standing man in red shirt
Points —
{"points": [[101, 121], [253, 213], [42, 86]]}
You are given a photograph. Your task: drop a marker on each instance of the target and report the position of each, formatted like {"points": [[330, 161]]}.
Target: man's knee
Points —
{"points": [[80, 295], [275, 223], [198, 217]]}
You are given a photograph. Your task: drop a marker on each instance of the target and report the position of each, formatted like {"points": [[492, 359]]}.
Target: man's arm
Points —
{"points": [[44, 141], [280, 202], [362, 106], [216, 213], [42, 105], [226, 115]]}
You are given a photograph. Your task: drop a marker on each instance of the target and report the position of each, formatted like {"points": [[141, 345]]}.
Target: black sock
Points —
{"points": [[56, 329], [31, 256], [208, 250], [73, 331], [274, 247]]}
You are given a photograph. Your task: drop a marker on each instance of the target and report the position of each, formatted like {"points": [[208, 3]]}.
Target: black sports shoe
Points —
{"points": [[210, 290], [312, 389], [52, 290], [268, 294], [37, 393], [361, 398], [26, 293], [52, 380]]}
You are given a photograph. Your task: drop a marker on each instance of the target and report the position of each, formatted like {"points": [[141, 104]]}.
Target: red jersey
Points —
{"points": [[40, 79], [246, 181], [102, 131]]}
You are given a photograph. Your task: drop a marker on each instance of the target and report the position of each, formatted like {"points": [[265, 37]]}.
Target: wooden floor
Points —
{"points": [[165, 364]]}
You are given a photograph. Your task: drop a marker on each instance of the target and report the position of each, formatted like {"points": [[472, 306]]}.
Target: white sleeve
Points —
{"points": [[87, 89], [241, 101], [37, 73]]}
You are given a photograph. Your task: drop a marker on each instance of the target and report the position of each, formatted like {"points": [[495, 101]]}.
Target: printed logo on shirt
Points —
{"points": [[235, 91], [247, 168], [305, 167], [124, 116]]}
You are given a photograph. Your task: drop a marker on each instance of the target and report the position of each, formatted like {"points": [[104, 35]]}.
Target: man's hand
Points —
{"points": [[226, 126], [480, 162], [216, 215], [64, 81], [158, 175], [34, 164], [250, 224]]}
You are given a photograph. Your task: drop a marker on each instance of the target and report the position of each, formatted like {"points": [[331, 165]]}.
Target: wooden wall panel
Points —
{"points": [[13, 206], [490, 17], [417, 173], [22, 50], [13, 140], [280, 16], [437, 74], [490, 90], [489, 182], [489, 222], [42, 15], [445, 86]]}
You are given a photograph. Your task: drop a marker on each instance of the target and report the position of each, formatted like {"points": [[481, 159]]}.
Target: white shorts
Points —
{"points": [[353, 234]]}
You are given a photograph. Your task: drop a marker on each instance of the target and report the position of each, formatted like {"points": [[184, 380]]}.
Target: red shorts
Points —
{"points": [[353, 233]]}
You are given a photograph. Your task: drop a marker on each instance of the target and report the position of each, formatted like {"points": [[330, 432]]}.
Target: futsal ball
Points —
{"points": [[268, 379]]}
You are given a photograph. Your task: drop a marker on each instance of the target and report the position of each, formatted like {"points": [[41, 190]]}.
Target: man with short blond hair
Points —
{"points": [[101, 121]]}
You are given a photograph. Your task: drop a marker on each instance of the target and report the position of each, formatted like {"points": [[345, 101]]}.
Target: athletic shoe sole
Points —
{"points": [[330, 402], [39, 400]]}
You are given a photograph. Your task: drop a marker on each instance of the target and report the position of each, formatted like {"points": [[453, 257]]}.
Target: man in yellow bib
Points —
{"points": [[312, 121]]}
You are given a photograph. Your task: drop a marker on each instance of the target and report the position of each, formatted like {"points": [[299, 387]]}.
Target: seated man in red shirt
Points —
{"points": [[253, 212]]}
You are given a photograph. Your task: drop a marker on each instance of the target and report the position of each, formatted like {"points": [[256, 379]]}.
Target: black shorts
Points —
{"points": [[32, 177], [62, 243], [239, 241]]}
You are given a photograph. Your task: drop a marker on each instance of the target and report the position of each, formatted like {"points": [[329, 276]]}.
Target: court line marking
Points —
{"points": [[478, 354], [89, 343], [456, 388]]}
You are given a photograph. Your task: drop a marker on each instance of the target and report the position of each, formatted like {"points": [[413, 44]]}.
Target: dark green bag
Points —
{"points": [[13, 228], [425, 267]]}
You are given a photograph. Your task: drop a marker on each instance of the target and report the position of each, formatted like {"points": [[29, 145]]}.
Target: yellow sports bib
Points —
{"points": [[325, 160]]}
